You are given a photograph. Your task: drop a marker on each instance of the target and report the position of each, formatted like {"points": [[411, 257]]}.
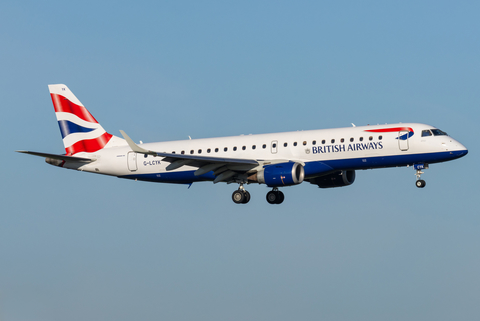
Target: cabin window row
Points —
{"points": [[225, 149], [342, 140], [264, 146]]}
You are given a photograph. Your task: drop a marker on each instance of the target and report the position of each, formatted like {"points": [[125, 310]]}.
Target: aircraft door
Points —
{"points": [[403, 139], [274, 147], [132, 161]]}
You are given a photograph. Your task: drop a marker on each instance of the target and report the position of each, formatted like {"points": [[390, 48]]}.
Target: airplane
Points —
{"points": [[326, 157]]}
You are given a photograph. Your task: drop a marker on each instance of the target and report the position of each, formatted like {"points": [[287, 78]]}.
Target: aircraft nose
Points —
{"points": [[460, 149]]}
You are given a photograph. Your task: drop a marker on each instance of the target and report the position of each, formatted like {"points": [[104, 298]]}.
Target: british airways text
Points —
{"points": [[345, 148]]}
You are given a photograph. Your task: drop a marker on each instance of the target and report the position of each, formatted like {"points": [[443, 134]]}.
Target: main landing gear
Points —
{"points": [[275, 196], [241, 195], [420, 183]]}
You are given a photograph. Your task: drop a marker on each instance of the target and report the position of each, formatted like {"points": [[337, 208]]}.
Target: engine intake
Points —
{"points": [[337, 179], [283, 174]]}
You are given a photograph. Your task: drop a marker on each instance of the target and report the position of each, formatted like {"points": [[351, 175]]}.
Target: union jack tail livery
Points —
{"points": [[80, 130]]}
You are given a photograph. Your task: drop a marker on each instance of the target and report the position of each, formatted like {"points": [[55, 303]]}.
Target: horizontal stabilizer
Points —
{"points": [[60, 157]]}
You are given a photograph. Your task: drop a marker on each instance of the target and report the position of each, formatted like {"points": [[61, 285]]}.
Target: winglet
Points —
{"points": [[135, 147]]}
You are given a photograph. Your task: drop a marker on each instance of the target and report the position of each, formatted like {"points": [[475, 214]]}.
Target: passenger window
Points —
{"points": [[351, 139], [191, 152], [274, 145], [285, 144], [199, 151], [333, 141], [342, 140], [183, 152], [370, 138], [264, 146], [216, 150], [244, 147], [295, 144], [173, 152], [209, 150], [225, 149], [380, 137], [426, 132], [314, 142], [361, 139], [304, 143], [323, 141], [234, 148], [253, 147]]}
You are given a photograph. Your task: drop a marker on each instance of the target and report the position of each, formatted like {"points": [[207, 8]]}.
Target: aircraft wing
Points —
{"points": [[59, 157], [223, 168]]}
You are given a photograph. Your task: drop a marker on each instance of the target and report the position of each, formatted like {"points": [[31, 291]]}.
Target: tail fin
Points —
{"points": [[80, 130]]}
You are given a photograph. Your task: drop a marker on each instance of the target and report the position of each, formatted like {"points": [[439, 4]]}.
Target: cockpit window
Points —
{"points": [[426, 132], [438, 132]]}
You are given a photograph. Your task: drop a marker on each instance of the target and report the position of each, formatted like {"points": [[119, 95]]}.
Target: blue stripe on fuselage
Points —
{"points": [[180, 177], [393, 161], [315, 168]]}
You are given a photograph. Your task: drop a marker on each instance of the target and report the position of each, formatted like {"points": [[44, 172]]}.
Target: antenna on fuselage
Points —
{"points": [[353, 125]]}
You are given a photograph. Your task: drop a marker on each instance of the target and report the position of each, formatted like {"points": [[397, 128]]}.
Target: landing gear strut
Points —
{"points": [[241, 195], [420, 183], [275, 196]]}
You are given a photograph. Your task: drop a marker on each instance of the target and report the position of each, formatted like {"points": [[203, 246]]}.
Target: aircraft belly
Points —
{"points": [[179, 177]]}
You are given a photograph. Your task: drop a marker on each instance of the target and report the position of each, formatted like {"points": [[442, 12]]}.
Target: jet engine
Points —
{"points": [[337, 179], [283, 174]]}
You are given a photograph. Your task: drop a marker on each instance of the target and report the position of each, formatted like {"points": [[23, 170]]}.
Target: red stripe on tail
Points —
{"points": [[64, 105], [89, 145]]}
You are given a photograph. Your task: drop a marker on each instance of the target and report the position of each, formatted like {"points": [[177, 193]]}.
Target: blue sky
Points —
{"points": [[79, 246]]}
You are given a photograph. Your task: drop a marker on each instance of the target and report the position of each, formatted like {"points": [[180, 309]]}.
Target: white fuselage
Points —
{"points": [[341, 149]]}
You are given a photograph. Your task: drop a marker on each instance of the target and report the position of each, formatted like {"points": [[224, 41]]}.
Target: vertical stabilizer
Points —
{"points": [[80, 130]]}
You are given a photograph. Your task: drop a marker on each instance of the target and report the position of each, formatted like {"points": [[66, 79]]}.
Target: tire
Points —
{"points": [[420, 183], [246, 197], [238, 197], [280, 197], [272, 197]]}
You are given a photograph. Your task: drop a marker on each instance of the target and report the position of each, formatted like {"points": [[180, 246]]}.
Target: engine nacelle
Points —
{"points": [[283, 174], [337, 179]]}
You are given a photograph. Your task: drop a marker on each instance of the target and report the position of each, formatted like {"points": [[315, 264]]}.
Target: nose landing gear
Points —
{"points": [[420, 183]]}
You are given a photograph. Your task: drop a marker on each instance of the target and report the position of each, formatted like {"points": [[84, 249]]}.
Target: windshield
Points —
{"points": [[438, 132], [426, 132]]}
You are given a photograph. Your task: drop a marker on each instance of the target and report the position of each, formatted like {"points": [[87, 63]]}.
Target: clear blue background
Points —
{"points": [[76, 246]]}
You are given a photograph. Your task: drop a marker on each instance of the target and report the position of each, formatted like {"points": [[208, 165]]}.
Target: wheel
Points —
{"points": [[246, 197], [238, 197], [275, 197], [280, 197], [272, 197], [420, 183]]}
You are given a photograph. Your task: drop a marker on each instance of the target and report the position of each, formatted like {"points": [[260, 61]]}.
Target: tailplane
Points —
{"points": [[81, 132]]}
